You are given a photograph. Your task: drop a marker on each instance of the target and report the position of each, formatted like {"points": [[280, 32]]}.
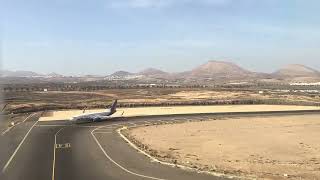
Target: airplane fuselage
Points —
{"points": [[92, 117], [96, 117]]}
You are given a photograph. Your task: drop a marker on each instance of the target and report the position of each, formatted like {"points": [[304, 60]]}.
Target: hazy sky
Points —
{"points": [[102, 36]]}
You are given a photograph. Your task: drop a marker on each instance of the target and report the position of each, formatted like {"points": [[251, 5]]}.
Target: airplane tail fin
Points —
{"points": [[114, 106]]}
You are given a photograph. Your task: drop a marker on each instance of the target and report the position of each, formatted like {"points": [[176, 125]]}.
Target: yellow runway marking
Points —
{"points": [[54, 152]]}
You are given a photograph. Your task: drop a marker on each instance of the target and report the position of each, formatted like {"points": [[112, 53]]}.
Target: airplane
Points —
{"points": [[96, 117]]}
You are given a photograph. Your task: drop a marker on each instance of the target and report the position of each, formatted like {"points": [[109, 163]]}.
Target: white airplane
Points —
{"points": [[96, 117]]}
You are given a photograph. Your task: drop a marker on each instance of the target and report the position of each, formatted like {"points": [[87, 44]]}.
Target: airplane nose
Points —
{"points": [[73, 119]]}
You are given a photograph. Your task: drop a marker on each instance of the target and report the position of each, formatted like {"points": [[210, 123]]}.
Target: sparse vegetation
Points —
{"points": [[54, 100]]}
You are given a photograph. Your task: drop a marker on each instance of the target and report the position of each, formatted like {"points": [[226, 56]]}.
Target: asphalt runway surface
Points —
{"points": [[59, 150]]}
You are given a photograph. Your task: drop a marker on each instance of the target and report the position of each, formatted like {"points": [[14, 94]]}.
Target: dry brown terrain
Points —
{"points": [[52, 100], [267, 147]]}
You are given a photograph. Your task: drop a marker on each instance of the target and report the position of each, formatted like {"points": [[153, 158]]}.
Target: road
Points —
{"points": [[59, 150]]}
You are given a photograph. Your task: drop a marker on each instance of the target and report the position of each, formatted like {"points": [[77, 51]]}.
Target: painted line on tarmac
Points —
{"points": [[52, 125], [61, 125], [31, 115], [54, 153], [17, 149], [7, 130], [114, 162]]}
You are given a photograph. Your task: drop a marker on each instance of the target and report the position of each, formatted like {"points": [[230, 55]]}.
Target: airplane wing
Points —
{"points": [[99, 116]]}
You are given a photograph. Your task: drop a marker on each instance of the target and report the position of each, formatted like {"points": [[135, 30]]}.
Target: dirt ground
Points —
{"points": [[53, 100], [265, 147], [150, 111]]}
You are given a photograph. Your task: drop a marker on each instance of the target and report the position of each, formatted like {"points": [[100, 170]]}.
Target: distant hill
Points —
{"points": [[6, 73], [296, 70], [152, 72], [121, 74], [219, 69], [54, 75]]}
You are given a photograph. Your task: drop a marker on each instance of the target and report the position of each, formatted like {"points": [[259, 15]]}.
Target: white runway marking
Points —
{"points": [[114, 162], [54, 152], [31, 115], [51, 125], [61, 125], [63, 146], [17, 149], [7, 130]]}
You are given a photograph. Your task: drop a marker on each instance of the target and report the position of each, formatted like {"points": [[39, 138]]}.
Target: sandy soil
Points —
{"points": [[194, 95], [145, 111], [30, 101], [267, 147]]}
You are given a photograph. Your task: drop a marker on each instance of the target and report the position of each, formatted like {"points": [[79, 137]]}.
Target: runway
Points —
{"points": [[63, 151], [59, 151]]}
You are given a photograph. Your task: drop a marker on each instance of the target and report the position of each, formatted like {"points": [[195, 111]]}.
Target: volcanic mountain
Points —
{"points": [[6, 73], [219, 69], [296, 70], [152, 72], [121, 74], [54, 75]]}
